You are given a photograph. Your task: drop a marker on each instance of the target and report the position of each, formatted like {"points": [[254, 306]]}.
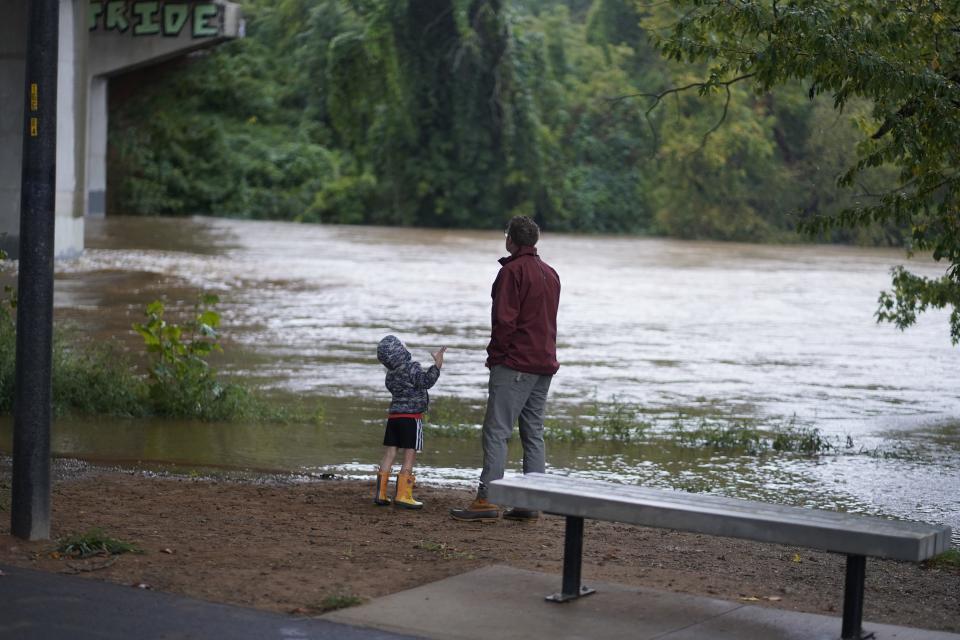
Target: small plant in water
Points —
{"points": [[182, 382], [94, 542], [719, 435], [618, 420], [810, 441]]}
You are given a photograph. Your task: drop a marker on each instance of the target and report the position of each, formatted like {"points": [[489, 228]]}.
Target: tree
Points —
{"points": [[903, 56]]}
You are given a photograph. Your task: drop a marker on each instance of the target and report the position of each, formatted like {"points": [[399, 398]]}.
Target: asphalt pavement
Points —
{"points": [[46, 606]]}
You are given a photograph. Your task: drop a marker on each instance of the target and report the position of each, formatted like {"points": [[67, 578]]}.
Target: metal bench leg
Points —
{"points": [[572, 561], [853, 599]]}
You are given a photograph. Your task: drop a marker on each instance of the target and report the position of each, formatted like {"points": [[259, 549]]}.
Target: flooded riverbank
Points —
{"points": [[690, 331]]}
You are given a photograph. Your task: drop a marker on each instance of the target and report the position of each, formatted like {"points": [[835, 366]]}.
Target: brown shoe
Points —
{"points": [[480, 510], [521, 515]]}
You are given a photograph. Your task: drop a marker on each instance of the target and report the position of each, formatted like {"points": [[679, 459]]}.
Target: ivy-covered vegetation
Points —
{"points": [[458, 113]]}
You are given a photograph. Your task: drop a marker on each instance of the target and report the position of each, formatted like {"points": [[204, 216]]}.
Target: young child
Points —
{"points": [[408, 383]]}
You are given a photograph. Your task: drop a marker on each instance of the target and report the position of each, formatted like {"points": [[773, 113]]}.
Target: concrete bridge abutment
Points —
{"points": [[97, 40]]}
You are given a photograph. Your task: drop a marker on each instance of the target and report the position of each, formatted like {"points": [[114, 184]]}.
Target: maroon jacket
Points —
{"points": [[526, 295]]}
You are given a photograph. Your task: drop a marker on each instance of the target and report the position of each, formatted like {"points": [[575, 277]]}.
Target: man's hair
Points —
{"points": [[523, 231]]}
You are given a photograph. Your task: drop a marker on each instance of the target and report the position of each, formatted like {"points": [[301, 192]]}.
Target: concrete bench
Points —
{"points": [[856, 536]]}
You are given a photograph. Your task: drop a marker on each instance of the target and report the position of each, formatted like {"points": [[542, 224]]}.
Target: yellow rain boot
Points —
{"points": [[404, 498], [380, 498]]}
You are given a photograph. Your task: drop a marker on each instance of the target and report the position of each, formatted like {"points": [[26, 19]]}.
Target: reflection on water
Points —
{"points": [[772, 333]]}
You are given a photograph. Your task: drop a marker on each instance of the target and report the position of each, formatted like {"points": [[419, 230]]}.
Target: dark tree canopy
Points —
{"points": [[901, 56]]}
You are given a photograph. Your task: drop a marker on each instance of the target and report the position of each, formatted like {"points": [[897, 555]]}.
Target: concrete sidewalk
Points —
{"points": [[507, 604], [46, 606]]}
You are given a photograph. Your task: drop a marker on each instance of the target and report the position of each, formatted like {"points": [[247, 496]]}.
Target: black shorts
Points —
{"points": [[404, 433]]}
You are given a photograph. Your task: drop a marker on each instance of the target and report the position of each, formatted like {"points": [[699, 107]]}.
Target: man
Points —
{"points": [[522, 358]]}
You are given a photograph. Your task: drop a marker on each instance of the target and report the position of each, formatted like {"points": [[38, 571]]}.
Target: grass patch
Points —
{"points": [[556, 432], [337, 601], [462, 431], [444, 550], [95, 380], [93, 543], [949, 559], [453, 418]]}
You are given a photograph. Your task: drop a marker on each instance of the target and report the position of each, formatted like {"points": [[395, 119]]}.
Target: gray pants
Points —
{"points": [[513, 396]]}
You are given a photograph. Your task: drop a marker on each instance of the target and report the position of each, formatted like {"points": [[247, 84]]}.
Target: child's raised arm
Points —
{"points": [[424, 379]]}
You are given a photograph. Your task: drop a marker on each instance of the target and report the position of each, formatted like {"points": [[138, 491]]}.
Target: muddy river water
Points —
{"points": [[680, 331]]}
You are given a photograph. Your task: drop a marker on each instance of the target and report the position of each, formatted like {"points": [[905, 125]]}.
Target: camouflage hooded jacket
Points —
{"points": [[406, 380]]}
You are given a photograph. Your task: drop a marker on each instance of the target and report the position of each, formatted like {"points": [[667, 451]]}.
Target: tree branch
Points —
{"points": [[657, 98], [723, 117]]}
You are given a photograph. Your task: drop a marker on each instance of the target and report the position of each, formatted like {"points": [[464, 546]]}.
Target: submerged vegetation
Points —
{"points": [[625, 423], [103, 379], [181, 381], [742, 436]]}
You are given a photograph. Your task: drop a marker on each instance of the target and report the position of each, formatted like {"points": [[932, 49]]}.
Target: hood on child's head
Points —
{"points": [[391, 353]]}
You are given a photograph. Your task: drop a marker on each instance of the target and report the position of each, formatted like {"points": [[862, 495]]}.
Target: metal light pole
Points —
{"points": [[30, 507]]}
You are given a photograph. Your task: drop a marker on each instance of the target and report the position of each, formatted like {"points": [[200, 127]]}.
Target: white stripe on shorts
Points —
{"points": [[419, 435]]}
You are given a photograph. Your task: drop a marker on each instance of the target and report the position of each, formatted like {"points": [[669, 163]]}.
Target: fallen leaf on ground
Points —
{"points": [[774, 598], [141, 585], [166, 551], [750, 598]]}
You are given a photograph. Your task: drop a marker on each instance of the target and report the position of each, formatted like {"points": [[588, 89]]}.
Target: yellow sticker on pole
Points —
{"points": [[34, 96], [34, 127]]}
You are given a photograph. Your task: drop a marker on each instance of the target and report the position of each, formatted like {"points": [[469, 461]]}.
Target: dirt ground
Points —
{"points": [[300, 547]]}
